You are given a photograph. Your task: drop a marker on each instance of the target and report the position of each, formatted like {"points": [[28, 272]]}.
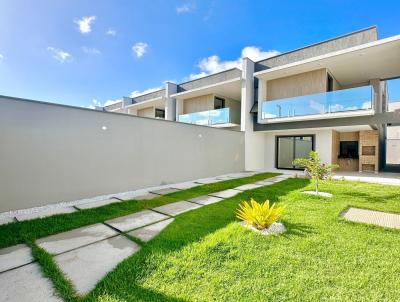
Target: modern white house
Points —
{"points": [[334, 96]]}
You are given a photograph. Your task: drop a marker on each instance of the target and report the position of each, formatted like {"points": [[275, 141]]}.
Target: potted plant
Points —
{"points": [[262, 217], [316, 170]]}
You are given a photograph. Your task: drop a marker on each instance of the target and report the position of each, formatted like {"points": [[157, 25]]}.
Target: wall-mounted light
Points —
{"points": [[104, 128]]}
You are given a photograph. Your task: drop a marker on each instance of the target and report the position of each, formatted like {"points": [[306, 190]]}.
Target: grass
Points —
{"points": [[28, 231], [205, 256]]}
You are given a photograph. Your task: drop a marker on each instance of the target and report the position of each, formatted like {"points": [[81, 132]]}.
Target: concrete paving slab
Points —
{"points": [[387, 220], [147, 196], [164, 191], [206, 181], [87, 265], [96, 204], [264, 183], [149, 232], [185, 185], [63, 242], [205, 199], [226, 193], [26, 283], [43, 214], [136, 220], [5, 220], [248, 187], [177, 208], [15, 256]]}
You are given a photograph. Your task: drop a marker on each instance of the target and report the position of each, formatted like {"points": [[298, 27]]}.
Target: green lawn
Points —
{"points": [[205, 256], [27, 231]]}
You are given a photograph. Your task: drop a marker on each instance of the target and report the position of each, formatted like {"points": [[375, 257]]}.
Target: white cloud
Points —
{"points": [[59, 54], [111, 32], [185, 8], [214, 64], [140, 49], [138, 93], [85, 24], [1, 57], [92, 51], [96, 103]]}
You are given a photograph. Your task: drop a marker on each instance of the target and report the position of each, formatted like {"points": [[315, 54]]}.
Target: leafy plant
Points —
{"points": [[314, 168], [259, 215]]}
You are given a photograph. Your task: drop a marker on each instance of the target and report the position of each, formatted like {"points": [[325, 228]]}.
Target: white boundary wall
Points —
{"points": [[53, 153]]}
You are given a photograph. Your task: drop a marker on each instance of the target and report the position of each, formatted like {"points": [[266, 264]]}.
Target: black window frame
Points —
{"points": [[219, 99], [157, 111], [294, 149]]}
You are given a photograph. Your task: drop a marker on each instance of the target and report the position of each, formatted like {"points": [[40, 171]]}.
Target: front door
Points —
{"points": [[289, 148]]}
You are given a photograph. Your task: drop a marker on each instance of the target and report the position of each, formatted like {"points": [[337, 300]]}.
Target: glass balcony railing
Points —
{"points": [[212, 117], [359, 98]]}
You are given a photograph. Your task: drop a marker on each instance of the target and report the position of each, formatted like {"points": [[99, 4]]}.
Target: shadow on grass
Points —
{"points": [[193, 226]]}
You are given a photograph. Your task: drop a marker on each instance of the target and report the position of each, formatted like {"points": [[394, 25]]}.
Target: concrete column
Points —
{"points": [[262, 96], [377, 97], [170, 103], [125, 102], [254, 142]]}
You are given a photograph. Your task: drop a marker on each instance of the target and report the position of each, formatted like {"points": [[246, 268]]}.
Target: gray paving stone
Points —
{"points": [[87, 265], [164, 191], [185, 185], [387, 220], [205, 199], [226, 193], [177, 208], [264, 183], [42, 214], [136, 220], [14, 256], [96, 204], [248, 187], [205, 181], [26, 283], [63, 242], [148, 196], [5, 220], [149, 232]]}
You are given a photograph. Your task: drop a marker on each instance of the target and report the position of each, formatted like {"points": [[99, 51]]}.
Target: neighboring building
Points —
{"points": [[331, 96]]}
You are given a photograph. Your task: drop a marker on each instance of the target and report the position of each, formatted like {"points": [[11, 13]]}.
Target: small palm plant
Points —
{"points": [[314, 167], [258, 215]]}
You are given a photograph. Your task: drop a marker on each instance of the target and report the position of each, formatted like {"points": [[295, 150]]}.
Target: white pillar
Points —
{"points": [[262, 96], [254, 142], [170, 102]]}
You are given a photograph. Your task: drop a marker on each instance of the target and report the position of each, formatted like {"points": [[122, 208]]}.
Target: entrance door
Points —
{"points": [[288, 148]]}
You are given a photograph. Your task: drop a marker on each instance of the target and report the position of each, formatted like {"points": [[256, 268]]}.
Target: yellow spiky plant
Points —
{"points": [[258, 215]]}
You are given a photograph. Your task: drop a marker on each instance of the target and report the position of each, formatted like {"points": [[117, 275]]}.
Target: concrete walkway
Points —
{"points": [[85, 255], [387, 220]]}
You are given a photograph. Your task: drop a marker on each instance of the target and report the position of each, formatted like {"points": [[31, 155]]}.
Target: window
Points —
{"points": [[219, 103], [160, 113], [288, 148], [329, 83], [348, 149]]}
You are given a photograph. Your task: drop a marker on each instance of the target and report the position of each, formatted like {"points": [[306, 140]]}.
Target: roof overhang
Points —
{"points": [[230, 89], [156, 102], [375, 60]]}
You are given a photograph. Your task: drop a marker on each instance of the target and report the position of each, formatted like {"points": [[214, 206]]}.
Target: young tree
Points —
{"points": [[314, 167]]}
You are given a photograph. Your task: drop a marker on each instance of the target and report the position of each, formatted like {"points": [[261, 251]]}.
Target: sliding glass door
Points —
{"points": [[289, 148]]}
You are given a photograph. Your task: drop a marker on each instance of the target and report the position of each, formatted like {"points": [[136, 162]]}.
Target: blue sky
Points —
{"points": [[74, 52]]}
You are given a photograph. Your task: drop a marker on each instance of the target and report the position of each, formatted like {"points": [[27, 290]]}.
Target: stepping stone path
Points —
{"points": [[26, 283], [6, 220], [149, 232], [177, 208], [205, 200], [14, 256], [206, 181], [387, 220], [226, 193], [63, 242], [164, 191], [96, 204], [136, 220], [50, 212], [87, 254], [88, 265]]}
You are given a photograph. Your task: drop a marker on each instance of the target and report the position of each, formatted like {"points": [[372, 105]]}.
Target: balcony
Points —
{"points": [[225, 117], [346, 102]]}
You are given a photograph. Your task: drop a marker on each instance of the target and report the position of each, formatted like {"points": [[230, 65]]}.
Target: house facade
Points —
{"points": [[334, 96]]}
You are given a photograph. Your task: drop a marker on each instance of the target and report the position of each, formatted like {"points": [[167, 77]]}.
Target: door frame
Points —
{"points": [[294, 148]]}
